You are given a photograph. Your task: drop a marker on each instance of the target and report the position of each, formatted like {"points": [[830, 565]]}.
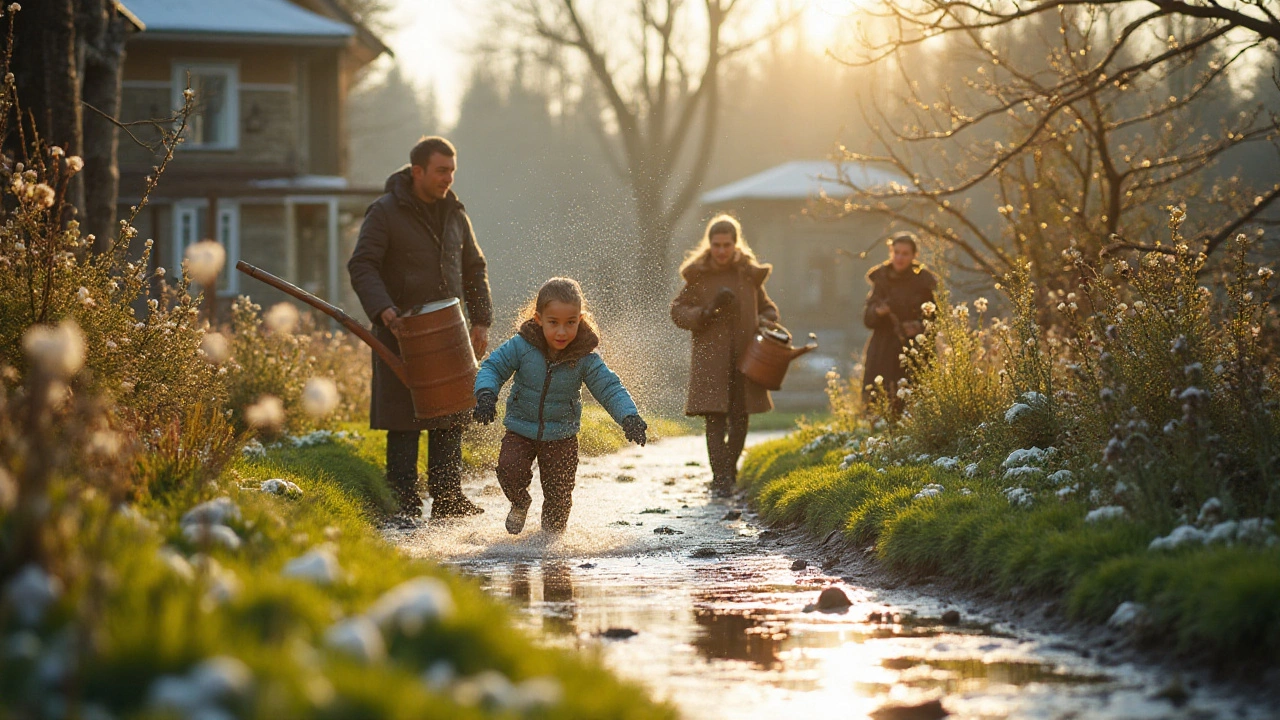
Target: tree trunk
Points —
{"points": [[105, 34], [45, 68]]}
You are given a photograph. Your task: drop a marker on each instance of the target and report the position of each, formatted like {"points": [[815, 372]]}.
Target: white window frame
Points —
{"points": [[231, 122], [226, 231]]}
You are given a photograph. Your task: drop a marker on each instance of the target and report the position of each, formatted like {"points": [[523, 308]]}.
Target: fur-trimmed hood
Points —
{"points": [[885, 271], [758, 272], [583, 345]]}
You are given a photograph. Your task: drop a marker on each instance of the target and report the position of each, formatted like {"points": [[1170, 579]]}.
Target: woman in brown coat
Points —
{"points": [[899, 287], [723, 303]]}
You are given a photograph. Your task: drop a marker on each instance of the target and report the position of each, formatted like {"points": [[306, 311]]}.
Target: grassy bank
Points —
{"points": [[175, 601], [1214, 601]]}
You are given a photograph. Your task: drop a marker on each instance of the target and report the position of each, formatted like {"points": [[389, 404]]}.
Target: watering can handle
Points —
{"points": [[360, 331]]}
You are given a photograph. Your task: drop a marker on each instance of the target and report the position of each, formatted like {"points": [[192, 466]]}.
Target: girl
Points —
{"points": [[723, 303], [551, 357], [899, 286]]}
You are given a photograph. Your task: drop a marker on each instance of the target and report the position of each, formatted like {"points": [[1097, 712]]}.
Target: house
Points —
{"points": [[819, 264], [262, 168]]}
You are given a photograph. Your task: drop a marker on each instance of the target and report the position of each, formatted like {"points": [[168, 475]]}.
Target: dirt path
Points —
{"points": [[718, 611]]}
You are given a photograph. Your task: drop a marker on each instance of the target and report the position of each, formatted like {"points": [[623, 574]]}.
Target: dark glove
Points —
{"points": [[486, 408], [634, 428], [723, 299]]}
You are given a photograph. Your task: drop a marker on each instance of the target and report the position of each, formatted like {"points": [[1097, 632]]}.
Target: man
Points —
{"points": [[417, 246], [899, 287]]}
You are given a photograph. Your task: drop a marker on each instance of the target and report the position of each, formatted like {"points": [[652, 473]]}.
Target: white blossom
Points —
{"points": [[205, 260], [980, 304], [267, 412], [216, 348], [58, 351], [319, 396], [281, 318]]}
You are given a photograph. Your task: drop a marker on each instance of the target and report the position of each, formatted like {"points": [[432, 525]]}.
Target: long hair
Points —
{"points": [[557, 289], [722, 224]]}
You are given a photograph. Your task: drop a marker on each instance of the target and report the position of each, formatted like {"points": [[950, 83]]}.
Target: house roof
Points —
{"points": [[801, 180], [241, 19]]}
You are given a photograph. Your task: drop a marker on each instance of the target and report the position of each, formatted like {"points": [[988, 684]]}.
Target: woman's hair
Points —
{"points": [[904, 238], [722, 224], [557, 289]]}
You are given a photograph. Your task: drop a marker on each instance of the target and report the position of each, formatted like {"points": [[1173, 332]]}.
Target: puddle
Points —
{"points": [[719, 620]]}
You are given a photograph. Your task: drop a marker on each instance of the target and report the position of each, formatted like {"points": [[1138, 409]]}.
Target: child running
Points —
{"points": [[551, 357]]}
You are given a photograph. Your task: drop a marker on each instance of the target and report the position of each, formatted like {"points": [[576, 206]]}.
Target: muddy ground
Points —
{"points": [[690, 596]]}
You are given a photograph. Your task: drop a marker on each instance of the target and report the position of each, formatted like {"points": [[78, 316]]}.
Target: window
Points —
{"points": [[191, 225], [215, 122]]}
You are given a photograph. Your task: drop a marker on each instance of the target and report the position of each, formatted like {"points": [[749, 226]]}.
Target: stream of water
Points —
{"points": [[673, 589]]}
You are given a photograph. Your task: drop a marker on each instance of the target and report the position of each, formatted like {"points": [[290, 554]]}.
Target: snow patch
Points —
{"points": [[318, 565], [930, 490], [411, 604], [1016, 411], [358, 637], [1128, 615], [1027, 456], [1106, 513], [947, 463], [31, 592], [1026, 471], [1060, 477], [212, 535], [1019, 496], [971, 470], [280, 486]]}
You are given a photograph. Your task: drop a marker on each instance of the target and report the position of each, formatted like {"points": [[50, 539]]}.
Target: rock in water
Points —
{"points": [[666, 530], [704, 552], [951, 617], [769, 535], [732, 515], [833, 598], [619, 633], [799, 565], [931, 710]]}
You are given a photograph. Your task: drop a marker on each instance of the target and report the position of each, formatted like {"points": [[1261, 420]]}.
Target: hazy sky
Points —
{"points": [[431, 42], [432, 38]]}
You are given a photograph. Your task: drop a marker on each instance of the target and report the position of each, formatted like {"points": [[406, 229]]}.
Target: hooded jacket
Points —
{"points": [[719, 342], [546, 393], [904, 293], [401, 261]]}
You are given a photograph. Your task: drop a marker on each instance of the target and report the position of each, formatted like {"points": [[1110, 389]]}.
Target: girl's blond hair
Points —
{"points": [[722, 224], [557, 289]]}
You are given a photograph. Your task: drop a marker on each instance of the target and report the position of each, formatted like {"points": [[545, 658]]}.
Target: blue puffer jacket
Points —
{"points": [[546, 397]]}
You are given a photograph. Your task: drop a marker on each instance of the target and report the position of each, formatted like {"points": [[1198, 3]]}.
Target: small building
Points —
{"points": [[819, 263], [263, 165]]}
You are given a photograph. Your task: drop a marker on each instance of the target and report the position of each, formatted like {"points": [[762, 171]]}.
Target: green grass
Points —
{"points": [[154, 622], [1219, 603]]}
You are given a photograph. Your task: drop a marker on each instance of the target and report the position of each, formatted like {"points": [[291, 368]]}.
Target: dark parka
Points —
{"points": [[718, 343], [401, 261], [904, 292]]}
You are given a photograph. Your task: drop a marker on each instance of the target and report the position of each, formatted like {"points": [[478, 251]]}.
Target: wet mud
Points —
{"points": [[689, 596]]}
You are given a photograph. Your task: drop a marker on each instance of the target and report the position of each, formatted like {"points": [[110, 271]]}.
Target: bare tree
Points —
{"points": [[1085, 118], [663, 97]]}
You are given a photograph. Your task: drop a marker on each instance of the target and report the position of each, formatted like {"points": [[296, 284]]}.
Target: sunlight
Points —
{"points": [[823, 22]]}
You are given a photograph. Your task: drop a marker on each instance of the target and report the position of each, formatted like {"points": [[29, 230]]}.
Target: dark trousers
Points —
{"points": [[726, 435], [444, 465], [557, 465]]}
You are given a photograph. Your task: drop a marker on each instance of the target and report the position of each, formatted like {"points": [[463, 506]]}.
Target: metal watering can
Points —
{"points": [[770, 354], [438, 364]]}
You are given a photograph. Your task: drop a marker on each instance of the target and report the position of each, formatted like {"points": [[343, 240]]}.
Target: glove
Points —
{"points": [[634, 428], [723, 299], [486, 408]]}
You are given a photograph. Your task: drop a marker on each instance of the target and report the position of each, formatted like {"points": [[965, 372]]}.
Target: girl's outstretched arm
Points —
{"points": [[607, 389], [498, 368]]}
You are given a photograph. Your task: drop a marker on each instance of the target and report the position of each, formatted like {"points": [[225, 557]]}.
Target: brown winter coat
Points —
{"points": [[719, 343], [401, 261], [904, 293]]}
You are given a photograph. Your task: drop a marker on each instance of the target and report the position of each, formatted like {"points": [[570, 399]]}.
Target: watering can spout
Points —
{"points": [[810, 347], [387, 354]]}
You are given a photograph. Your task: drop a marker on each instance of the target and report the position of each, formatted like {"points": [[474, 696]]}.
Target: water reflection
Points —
{"points": [[556, 605], [738, 635]]}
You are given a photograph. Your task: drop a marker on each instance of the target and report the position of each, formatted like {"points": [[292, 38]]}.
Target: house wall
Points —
{"points": [[277, 85]]}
